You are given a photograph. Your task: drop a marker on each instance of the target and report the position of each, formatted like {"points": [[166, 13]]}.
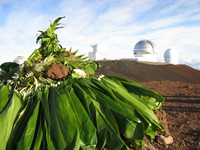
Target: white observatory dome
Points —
{"points": [[145, 50], [171, 56], [19, 60]]}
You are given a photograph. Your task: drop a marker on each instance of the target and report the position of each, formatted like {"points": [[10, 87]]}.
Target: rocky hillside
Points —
{"points": [[149, 71]]}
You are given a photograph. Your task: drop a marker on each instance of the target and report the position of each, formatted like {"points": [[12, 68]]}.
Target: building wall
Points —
{"points": [[146, 57], [97, 56]]}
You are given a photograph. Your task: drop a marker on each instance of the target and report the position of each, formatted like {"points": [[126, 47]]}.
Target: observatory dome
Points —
{"points": [[19, 60], [171, 56], [145, 50], [144, 47]]}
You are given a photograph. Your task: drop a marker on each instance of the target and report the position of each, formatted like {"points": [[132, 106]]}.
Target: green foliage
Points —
{"points": [[9, 69], [32, 73], [85, 113], [8, 66], [49, 40], [73, 113]]}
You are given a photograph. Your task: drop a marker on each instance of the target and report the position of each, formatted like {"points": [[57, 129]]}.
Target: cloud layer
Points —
{"points": [[117, 24]]}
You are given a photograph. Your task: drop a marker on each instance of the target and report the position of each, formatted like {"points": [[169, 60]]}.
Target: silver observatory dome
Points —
{"points": [[144, 47], [145, 50]]}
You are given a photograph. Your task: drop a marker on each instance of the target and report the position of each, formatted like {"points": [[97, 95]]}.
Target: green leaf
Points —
{"points": [[115, 104], [86, 127], [55, 23], [45, 39], [87, 102], [21, 122], [64, 131], [129, 99], [8, 117], [4, 96], [38, 139], [130, 126], [45, 107], [49, 34], [89, 70], [91, 67], [9, 69], [35, 54], [108, 127], [26, 140], [150, 98], [8, 66], [9, 75]]}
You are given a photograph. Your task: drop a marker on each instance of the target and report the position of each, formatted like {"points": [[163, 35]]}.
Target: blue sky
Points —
{"points": [[116, 24]]}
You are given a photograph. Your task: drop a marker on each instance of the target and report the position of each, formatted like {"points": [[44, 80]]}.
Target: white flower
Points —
{"points": [[101, 76]]}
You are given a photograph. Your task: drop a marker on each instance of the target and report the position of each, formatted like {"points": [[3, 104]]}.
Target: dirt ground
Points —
{"points": [[182, 108], [145, 71], [179, 85]]}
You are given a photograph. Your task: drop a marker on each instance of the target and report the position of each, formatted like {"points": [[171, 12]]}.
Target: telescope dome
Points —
{"points": [[144, 47], [19, 60], [145, 50], [169, 53], [171, 56]]}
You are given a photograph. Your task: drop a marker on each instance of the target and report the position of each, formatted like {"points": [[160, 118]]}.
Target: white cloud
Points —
{"points": [[119, 24], [194, 63]]}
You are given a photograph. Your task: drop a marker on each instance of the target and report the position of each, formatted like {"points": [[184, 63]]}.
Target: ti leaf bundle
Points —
{"points": [[73, 113]]}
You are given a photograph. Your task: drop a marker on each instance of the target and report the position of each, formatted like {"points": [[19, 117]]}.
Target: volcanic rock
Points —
{"points": [[164, 139]]}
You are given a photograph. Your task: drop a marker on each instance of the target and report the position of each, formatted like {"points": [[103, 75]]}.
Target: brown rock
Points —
{"points": [[164, 139], [57, 71]]}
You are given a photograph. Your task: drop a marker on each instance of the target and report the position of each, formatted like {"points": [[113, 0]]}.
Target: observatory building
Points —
{"points": [[145, 50], [98, 53], [171, 56]]}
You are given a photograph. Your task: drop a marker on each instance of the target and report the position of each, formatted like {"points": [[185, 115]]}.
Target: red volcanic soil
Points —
{"points": [[182, 108], [149, 71], [180, 85]]}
